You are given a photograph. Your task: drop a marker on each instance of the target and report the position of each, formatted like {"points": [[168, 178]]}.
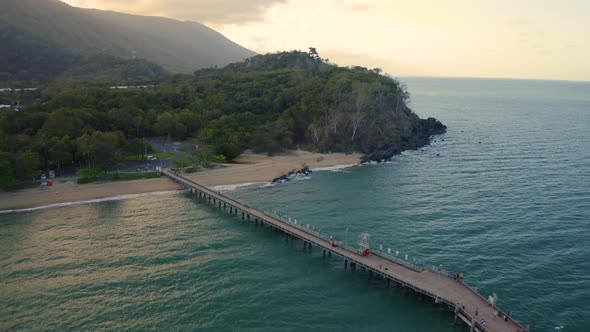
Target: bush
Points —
{"points": [[230, 149], [125, 176], [89, 173], [84, 180], [191, 170], [180, 163], [218, 159]]}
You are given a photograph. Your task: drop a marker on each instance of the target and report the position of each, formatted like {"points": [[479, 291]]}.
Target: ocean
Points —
{"points": [[504, 197]]}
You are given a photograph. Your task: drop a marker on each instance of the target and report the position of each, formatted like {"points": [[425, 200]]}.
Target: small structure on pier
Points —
{"points": [[364, 244], [470, 306]]}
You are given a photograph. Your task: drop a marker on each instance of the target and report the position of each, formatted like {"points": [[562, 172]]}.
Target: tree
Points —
{"points": [[127, 119], [191, 120], [7, 171], [360, 95], [229, 147], [60, 151], [100, 149], [106, 148], [313, 52], [66, 121], [180, 130], [86, 146], [166, 124], [28, 165]]}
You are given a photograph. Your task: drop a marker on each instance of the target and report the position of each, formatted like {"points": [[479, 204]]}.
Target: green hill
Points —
{"points": [[278, 101], [41, 39], [108, 70], [268, 103]]}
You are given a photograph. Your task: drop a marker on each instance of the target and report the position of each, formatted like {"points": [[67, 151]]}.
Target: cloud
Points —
{"points": [[355, 5], [214, 12]]}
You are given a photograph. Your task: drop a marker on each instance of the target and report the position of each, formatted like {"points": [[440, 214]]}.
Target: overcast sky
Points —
{"points": [[542, 39]]}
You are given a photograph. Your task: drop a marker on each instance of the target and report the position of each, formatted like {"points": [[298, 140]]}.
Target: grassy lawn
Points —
{"points": [[119, 176], [159, 155], [162, 155]]}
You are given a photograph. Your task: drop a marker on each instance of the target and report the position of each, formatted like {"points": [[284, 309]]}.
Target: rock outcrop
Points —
{"points": [[305, 171], [421, 136]]}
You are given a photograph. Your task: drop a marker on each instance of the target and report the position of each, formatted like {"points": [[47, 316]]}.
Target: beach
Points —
{"points": [[248, 168], [257, 168]]}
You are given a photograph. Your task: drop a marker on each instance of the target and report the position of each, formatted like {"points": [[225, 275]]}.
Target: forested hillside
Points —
{"points": [[268, 103], [41, 39]]}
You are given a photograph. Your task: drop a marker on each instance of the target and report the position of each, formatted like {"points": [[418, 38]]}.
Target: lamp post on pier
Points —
{"points": [[346, 237]]}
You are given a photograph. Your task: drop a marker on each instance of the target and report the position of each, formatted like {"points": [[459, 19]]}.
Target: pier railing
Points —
{"points": [[323, 240], [410, 265], [439, 270]]}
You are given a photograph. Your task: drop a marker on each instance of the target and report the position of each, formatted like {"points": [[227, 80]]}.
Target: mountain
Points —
{"points": [[40, 39]]}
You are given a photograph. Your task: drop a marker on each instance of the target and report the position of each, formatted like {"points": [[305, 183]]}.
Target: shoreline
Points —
{"points": [[249, 169], [96, 200]]}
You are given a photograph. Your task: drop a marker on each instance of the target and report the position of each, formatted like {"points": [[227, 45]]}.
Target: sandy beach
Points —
{"points": [[249, 168]]}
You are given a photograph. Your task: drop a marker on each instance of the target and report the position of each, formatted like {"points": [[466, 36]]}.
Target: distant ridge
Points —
{"points": [[49, 35]]}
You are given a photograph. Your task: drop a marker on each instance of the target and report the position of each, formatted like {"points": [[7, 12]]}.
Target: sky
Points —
{"points": [[537, 39]]}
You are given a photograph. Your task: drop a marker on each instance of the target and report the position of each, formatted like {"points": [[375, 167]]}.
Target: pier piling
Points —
{"points": [[424, 282]]}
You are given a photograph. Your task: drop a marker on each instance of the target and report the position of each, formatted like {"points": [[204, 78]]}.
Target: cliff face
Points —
{"points": [[305, 101], [421, 136]]}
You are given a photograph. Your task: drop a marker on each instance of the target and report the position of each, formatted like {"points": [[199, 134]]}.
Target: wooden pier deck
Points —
{"points": [[461, 298]]}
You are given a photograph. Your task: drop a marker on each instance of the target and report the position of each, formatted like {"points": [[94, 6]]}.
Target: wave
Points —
{"points": [[336, 168], [231, 187], [90, 201]]}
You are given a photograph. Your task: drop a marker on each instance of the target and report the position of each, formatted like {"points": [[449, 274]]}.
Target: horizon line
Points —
{"points": [[493, 78]]}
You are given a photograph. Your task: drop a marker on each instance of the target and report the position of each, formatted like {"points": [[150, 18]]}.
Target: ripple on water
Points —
{"points": [[511, 212]]}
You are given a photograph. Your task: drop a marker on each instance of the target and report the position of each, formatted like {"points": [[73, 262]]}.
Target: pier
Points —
{"points": [[466, 303]]}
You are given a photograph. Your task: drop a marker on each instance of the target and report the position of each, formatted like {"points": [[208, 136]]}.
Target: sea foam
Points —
{"points": [[231, 187], [337, 168]]}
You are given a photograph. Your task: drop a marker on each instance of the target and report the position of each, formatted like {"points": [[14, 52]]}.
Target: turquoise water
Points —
{"points": [[511, 212]]}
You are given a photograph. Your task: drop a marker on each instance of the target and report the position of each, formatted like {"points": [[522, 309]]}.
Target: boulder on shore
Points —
{"points": [[305, 171]]}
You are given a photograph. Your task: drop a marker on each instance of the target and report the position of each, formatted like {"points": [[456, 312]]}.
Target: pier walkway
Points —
{"points": [[467, 304]]}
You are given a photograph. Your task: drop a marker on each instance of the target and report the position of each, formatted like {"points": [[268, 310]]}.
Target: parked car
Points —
{"points": [[151, 158]]}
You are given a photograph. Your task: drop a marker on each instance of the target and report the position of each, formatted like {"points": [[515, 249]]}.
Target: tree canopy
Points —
{"points": [[267, 103]]}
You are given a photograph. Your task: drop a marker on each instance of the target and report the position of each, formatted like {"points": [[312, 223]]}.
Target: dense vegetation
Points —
{"points": [[27, 62], [41, 39], [52, 66], [104, 70], [267, 103]]}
